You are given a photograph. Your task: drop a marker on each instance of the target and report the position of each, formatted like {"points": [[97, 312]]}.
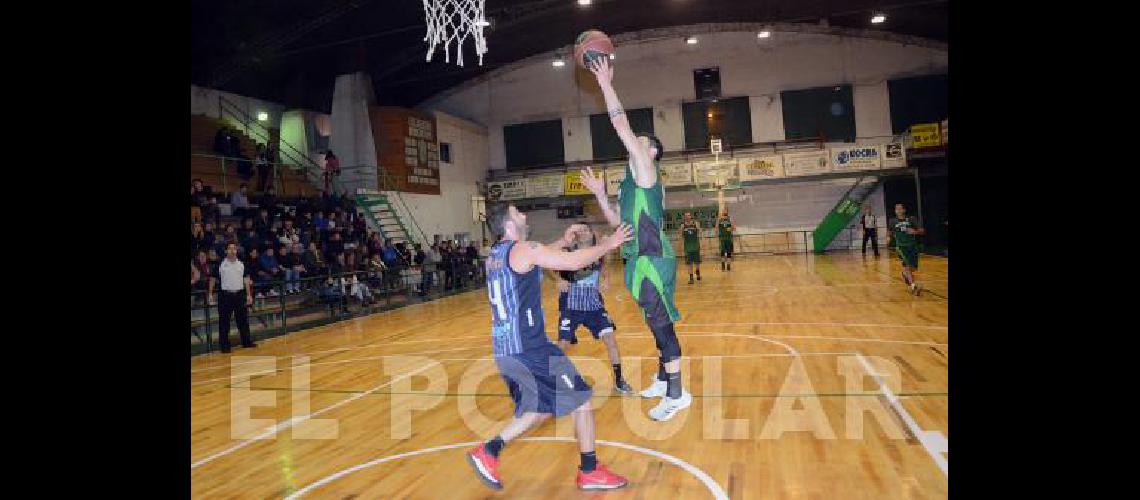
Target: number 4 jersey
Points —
{"points": [[516, 304]]}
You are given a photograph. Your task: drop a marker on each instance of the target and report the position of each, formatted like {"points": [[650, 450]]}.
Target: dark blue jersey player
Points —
{"points": [[541, 379]]}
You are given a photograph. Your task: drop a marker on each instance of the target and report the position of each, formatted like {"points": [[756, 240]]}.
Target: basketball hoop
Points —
{"points": [[453, 21]]}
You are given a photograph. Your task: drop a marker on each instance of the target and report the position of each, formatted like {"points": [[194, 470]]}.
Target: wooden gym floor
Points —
{"points": [[779, 354]]}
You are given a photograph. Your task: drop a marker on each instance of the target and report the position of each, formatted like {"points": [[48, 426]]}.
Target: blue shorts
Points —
{"points": [[543, 380], [598, 322]]}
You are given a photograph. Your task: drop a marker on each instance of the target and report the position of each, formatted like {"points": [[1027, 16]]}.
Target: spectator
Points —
{"points": [[211, 212], [264, 168], [375, 244], [419, 256], [244, 166], [239, 200], [427, 268], [289, 262], [332, 169], [195, 202], [203, 268], [287, 235], [472, 260], [197, 238], [313, 260], [336, 245], [268, 201], [263, 224], [445, 262], [222, 141], [321, 223], [299, 262], [269, 270], [208, 237]]}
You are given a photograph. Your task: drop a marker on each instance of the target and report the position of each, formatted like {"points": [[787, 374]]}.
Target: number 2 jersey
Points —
{"points": [[516, 304]]}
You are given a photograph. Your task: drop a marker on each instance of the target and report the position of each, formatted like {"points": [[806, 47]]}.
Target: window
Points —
{"points": [[823, 112], [445, 152], [534, 144], [604, 139]]}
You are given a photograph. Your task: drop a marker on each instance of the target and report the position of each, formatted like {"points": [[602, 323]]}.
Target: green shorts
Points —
{"points": [[651, 281], [726, 247], [693, 257], [909, 256]]}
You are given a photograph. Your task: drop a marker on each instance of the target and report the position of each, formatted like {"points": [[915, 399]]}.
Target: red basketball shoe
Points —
{"points": [[600, 479], [486, 466]]}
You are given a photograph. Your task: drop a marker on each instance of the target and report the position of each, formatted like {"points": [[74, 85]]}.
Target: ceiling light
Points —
{"points": [[764, 34], [583, 2], [482, 22], [558, 63], [262, 116], [691, 40], [878, 18]]}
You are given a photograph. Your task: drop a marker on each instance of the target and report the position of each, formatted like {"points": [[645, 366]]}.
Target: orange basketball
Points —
{"points": [[591, 45]]}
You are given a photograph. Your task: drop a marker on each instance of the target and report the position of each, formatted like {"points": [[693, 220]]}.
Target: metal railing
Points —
{"points": [[327, 298], [300, 160]]}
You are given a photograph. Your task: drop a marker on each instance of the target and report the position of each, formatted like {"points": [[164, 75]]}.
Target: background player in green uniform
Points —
{"points": [[651, 263], [691, 234], [902, 239], [724, 229]]}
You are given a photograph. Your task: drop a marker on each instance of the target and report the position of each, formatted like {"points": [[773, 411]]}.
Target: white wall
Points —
{"points": [[450, 211], [656, 71]]}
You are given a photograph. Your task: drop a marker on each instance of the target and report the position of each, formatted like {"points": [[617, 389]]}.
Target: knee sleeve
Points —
{"points": [[667, 342]]}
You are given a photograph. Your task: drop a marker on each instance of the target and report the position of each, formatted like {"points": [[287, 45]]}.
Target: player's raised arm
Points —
{"points": [[597, 185], [646, 173], [535, 254]]}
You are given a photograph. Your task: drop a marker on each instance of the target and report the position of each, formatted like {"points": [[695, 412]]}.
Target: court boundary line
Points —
{"points": [[713, 487], [932, 441]]}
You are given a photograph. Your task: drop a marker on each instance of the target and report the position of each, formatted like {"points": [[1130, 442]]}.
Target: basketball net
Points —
{"points": [[453, 21]]}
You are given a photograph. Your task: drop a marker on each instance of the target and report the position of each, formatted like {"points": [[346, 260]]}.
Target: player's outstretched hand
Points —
{"points": [[595, 184], [622, 234], [602, 70]]}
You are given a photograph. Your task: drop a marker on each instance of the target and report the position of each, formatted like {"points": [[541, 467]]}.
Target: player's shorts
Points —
{"points": [[598, 322], [543, 380], [726, 248], [909, 256], [693, 257], [652, 281]]}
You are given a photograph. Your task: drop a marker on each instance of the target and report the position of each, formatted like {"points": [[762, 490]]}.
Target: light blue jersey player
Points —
{"points": [[580, 303]]}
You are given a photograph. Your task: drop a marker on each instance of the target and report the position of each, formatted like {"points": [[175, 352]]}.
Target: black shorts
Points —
{"points": [[598, 322], [543, 380]]}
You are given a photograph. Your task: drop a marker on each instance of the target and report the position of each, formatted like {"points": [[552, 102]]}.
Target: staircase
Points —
{"points": [[840, 217], [383, 213], [299, 163]]}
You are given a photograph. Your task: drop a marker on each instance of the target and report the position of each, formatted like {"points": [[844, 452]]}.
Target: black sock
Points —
{"points": [[617, 372], [698, 273], [674, 388], [690, 276], [589, 461], [661, 375], [494, 446]]}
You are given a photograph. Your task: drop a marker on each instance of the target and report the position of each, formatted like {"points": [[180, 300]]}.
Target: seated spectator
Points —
{"points": [[359, 289], [263, 223], [375, 244], [269, 270], [314, 262], [268, 201], [202, 266], [299, 261], [321, 223], [211, 212], [335, 245], [239, 200], [289, 262], [196, 200], [197, 238], [208, 237]]}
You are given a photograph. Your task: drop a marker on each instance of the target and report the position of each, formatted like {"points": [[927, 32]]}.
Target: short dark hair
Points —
{"points": [[497, 216], [656, 143]]}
